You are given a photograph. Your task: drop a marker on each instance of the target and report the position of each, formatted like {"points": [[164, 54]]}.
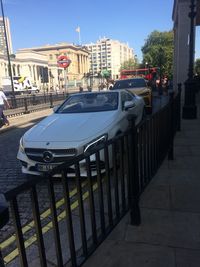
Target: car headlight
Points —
{"points": [[94, 143], [21, 145]]}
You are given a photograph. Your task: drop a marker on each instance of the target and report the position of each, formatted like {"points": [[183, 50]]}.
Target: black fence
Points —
{"points": [[29, 103], [80, 212]]}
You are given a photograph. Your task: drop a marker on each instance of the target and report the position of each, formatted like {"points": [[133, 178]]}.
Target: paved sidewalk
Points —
{"points": [[29, 118], [169, 235]]}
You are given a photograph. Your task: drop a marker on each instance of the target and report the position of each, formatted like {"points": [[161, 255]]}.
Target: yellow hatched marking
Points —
{"points": [[46, 228], [30, 225]]}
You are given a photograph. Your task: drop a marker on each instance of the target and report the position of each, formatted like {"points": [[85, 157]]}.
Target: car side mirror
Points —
{"points": [[128, 105]]}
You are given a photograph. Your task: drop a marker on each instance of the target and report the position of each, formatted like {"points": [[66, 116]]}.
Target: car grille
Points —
{"points": [[58, 155]]}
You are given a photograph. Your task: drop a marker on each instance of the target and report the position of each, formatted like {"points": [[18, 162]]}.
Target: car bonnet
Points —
{"points": [[70, 127]]}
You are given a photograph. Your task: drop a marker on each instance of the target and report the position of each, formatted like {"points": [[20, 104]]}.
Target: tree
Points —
{"points": [[197, 66], [158, 51], [129, 64]]}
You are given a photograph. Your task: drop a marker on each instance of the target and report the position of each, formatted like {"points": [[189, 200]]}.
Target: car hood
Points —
{"points": [[70, 127]]}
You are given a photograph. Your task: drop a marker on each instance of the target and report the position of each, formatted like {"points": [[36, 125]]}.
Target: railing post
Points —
{"points": [[171, 125], [51, 100], [13, 102], [25, 105], [33, 100], [45, 97], [134, 192], [4, 218]]}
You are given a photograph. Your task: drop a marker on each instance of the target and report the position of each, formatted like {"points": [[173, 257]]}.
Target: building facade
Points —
{"points": [[182, 24], [108, 55], [3, 48], [24, 64], [40, 65], [56, 75]]}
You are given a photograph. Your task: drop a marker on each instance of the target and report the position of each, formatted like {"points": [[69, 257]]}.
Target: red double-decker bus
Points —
{"points": [[146, 73]]}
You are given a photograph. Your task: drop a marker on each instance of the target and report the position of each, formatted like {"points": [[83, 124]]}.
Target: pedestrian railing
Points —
{"points": [[78, 213], [27, 104]]}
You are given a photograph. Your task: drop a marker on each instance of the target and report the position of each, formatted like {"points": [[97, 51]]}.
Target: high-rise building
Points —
{"points": [[3, 49], [108, 54]]}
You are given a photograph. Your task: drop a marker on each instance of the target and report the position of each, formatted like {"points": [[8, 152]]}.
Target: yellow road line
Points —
{"points": [[44, 215], [46, 228]]}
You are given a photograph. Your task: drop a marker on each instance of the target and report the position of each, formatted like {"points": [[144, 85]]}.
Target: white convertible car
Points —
{"points": [[77, 125]]}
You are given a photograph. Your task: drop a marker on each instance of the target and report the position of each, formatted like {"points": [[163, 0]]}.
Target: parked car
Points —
{"points": [[82, 121], [137, 86]]}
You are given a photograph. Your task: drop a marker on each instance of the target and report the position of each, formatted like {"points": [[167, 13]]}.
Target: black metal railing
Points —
{"points": [[78, 218], [26, 104]]}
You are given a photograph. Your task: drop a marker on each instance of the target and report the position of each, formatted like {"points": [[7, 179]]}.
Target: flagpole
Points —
{"points": [[79, 35]]}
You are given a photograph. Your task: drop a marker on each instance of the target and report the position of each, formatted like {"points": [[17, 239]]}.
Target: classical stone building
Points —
{"points": [[24, 64], [182, 21], [40, 65], [186, 16], [75, 72]]}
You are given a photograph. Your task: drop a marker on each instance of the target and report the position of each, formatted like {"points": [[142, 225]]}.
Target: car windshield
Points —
{"points": [[131, 83], [90, 102]]}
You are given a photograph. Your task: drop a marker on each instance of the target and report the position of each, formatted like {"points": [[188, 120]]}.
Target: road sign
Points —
{"points": [[63, 61]]}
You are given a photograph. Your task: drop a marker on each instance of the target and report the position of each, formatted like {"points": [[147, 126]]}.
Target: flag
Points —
{"points": [[78, 29]]}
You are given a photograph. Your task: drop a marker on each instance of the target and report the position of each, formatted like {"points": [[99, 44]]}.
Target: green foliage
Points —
{"points": [[129, 64], [197, 66], [158, 51], [106, 73]]}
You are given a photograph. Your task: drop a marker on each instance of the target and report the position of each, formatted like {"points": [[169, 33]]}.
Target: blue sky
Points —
{"points": [[40, 22]]}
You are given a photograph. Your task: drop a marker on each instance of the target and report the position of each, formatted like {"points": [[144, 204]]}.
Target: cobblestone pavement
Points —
{"points": [[11, 177]]}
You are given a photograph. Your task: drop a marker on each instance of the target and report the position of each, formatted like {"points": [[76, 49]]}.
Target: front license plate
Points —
{"points": [[45, 167]]}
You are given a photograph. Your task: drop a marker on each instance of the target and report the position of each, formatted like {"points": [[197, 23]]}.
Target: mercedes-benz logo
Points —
{"points": [[47, 156]]}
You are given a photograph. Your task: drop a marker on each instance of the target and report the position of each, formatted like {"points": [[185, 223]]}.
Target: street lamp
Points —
{"points": [[189, 108], [91, 77], [135, 60], [8, 55]]}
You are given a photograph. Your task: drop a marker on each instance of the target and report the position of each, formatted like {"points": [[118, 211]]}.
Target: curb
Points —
{"points": [[11, 127]]}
